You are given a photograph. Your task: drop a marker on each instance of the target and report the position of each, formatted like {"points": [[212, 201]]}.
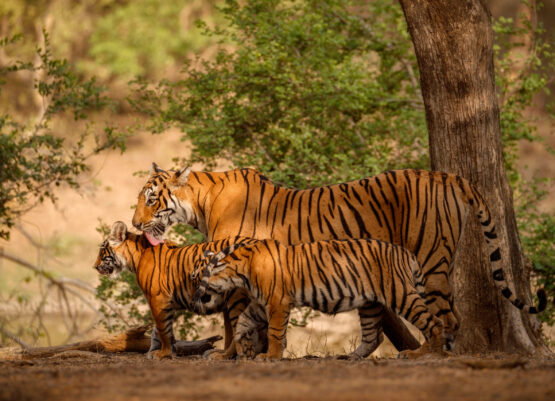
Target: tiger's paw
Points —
{"points": [[159, 354], [411, 354], [424, 351], [246, 349], [267, 357], [353, 356], [214, 355]]}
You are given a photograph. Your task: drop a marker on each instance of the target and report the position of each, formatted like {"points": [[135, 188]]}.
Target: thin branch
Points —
{"points": [[59, 282], [13, 337]]}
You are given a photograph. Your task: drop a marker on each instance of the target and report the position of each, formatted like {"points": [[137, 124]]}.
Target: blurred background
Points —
{"points": [[311, 93]]}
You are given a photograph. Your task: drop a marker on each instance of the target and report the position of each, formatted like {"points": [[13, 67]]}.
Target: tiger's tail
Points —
{"points": [[487, 224]]}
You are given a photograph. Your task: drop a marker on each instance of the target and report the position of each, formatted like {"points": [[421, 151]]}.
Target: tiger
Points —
{"points": [[330, 276], [163, 274], [423, 211]]}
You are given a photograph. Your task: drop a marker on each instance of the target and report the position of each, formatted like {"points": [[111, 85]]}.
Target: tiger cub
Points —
{"points": [[163, 273], [329, 276]]}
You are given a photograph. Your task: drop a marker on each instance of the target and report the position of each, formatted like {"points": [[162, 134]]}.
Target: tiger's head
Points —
{"points": [[115, 254], [217, 278], [162, 203]]}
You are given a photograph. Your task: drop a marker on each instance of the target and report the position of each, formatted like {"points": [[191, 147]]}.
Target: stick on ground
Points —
{"points": [[133, 340]]}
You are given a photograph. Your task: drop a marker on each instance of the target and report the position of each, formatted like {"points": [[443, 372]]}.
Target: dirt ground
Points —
{"points": [[132, 377]]}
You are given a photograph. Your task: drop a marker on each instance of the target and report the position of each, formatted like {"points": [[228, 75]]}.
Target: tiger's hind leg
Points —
{"points": [[251, 334], [440, 302], [236, 302], [372, 332], [415, 311]]}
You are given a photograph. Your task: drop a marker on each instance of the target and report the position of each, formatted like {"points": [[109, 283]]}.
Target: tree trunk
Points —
{"points": [[453, 41]]}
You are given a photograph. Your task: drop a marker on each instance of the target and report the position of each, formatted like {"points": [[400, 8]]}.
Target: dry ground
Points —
{"points": [[132, 377]]}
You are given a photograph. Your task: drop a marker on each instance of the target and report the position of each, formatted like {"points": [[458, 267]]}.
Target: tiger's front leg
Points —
{"points": [[229, 345], [251, 332], [237, 303], [278, 318], [156, 343], [163, 314], [372, 332]]}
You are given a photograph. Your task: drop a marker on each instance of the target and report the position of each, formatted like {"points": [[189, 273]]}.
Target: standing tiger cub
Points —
{"points": [[423, 211], [330, 276], [163, 273]]}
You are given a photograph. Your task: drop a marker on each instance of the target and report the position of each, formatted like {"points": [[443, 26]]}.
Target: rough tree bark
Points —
{"points": [[453, 41]]}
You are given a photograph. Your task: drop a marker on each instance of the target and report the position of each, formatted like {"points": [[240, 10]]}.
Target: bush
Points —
{"points": [[34, 158]]}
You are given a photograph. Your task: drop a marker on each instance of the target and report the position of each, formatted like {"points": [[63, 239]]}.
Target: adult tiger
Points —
{"points": [[163, 273], [422, 211], [330, 276]]}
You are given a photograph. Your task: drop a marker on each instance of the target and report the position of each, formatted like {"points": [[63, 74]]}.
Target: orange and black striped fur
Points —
{"points": [[423, 211], [163, 274], [330, 276]]}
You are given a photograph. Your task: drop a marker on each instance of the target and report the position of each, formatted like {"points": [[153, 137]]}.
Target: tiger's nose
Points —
{"points": [[136, 223]]}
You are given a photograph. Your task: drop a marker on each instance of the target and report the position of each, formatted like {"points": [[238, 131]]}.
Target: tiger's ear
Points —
{"points": [[118, 234], [155, 169], [181, 176], [208, 254]]}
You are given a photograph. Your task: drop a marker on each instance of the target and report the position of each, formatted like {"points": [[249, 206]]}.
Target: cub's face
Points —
{"points": [[112, 255], [107, 260], [157, 207]]}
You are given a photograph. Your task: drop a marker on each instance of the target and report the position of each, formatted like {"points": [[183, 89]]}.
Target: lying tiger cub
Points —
{"points": [[330, 276], [163, 274]]}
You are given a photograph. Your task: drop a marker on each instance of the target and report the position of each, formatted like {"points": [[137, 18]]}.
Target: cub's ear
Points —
{"points": [[208, 254], [118, 234], [181, 176], [155, 169]]}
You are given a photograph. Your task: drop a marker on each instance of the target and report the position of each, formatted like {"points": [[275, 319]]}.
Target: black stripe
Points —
{"points": [[495, 256], [498, 275]]}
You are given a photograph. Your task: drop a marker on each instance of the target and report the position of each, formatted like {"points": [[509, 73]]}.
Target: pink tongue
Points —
{"points": [[153, 241]]}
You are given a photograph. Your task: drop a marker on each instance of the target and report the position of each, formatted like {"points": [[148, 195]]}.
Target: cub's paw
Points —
{"points": [[246, 349], [266, 357], [349, 357], [423, 352], [215, 355], [159, 355]]}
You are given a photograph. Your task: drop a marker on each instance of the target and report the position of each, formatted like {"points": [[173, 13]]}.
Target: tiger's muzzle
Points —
{"points": [[201, 298], [104, 269]]}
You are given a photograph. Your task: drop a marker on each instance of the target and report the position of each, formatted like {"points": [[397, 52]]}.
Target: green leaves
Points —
{"points": [[144, 37], [309, 93], [524, 62], [34, 158]]}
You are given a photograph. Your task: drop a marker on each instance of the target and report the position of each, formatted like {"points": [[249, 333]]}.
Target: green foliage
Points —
{"points": [[312, 92], [34, 158], [524, 64], [143, 37], [537, 231]]}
